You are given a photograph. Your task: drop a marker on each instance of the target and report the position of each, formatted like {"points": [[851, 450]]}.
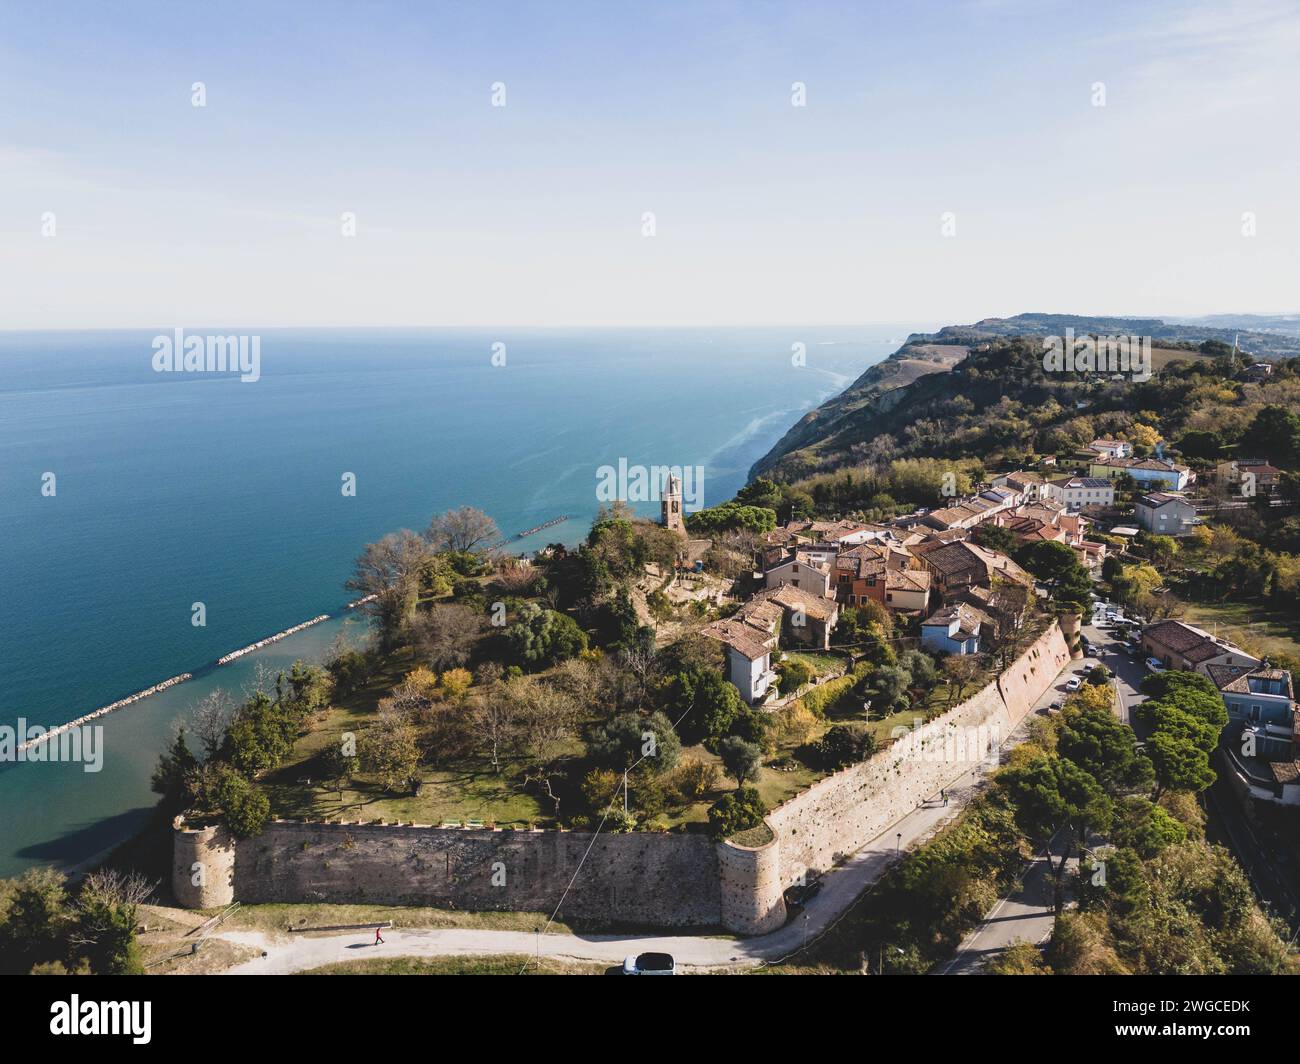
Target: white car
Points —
{"points": [[1073, 683], [650, 964], [1154, 664]]}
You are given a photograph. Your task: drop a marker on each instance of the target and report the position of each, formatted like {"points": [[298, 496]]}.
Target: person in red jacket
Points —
{"points": [[379, 939]]}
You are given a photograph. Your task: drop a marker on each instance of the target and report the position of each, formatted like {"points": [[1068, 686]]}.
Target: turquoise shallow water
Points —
{"points": [[174, 489]]}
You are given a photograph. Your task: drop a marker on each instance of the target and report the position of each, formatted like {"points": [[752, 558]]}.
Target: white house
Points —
{"points": [[1112, 448], [1151, 472], [1077, 492], [749, 657]]}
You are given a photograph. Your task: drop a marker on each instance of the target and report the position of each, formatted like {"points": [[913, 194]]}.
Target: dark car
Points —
{"points": [[799, 895]]}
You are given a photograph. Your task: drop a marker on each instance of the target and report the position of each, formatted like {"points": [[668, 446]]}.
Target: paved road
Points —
{"points": [[841, 888], [1026, 914]]}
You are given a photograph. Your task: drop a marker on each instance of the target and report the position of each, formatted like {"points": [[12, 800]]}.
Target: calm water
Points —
{"points": [[174, 489]]}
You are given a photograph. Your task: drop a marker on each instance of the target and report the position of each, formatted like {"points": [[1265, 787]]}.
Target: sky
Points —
{"points": [[124, 205]]}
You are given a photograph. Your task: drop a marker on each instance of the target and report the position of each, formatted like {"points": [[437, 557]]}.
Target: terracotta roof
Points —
{"points": [[792, 598], [1236, 678], [742, 637], [907, 580], [957, 557], [1176, 635]]}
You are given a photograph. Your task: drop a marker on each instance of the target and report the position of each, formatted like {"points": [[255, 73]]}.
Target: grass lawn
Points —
{"points": [[499, 965], [467, 792], [449, 796], [821, 664], [282, 917], [1251, 626]]}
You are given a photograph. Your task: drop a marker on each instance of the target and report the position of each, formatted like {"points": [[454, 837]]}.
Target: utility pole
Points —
{"points": [[625, 790]]}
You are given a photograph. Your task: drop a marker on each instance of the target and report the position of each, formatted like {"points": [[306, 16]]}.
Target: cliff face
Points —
{"points": [[905, 385], [872, 393]]}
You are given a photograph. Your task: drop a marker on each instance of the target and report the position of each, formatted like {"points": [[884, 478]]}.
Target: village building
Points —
{"points": [[1074, 493], [958, 566], [954, 629], [809, 571], [782, 614], [1265, 477], [1112, 448], [1027, 485], [1189, 649], [1260, 701], [1168, 513], [1154, 473]]}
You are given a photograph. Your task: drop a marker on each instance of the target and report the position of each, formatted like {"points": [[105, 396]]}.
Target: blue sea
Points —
{"points": [[173, 488]]}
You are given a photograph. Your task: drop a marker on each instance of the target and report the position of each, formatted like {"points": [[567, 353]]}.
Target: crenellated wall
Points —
{"points": [[638, 879]]}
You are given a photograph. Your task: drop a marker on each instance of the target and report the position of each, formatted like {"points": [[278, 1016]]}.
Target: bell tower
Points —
{"points": [[670, 505]]}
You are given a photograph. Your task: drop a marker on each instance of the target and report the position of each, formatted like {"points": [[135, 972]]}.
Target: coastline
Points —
{"points": [[225, 659]]}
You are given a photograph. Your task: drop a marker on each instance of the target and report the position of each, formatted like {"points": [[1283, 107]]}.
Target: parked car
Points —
{"points": [[1155, 665], [1073, 683], [650, 964], [799, 895], [1090, 651]]}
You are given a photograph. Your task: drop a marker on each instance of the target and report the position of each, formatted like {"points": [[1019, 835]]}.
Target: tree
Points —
{"points": [[841, 746], [445, 635], [632, 738], [792, 674], [542, 637], [464, 531], [211, 719], [737, 811], [731, 517], [32, 929], [1180, 763], [106, 919], [1053, 793], [960, 670], [1145, 827], [1057, 565], [1274, 434], [705, 703], [245, 807], [389, 751], [1106, 748], [338, 765], [888, 685], [387, 575], [996, 537], [741, 759], [171, 776]]}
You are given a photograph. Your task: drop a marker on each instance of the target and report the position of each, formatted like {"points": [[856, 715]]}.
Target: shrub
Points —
{"points": [[246, 808], [792, 675], [740, 810], [843, 745], [694, 778], [822, 698]]}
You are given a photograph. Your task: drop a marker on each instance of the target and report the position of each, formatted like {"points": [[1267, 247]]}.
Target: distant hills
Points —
{"points": [[930, 370]]}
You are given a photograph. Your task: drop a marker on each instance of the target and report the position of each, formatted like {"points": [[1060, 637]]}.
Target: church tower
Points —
{"points": [[670, 505]]}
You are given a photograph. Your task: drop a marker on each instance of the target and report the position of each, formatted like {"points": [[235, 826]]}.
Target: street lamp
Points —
{"points": [[899, 847]]}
